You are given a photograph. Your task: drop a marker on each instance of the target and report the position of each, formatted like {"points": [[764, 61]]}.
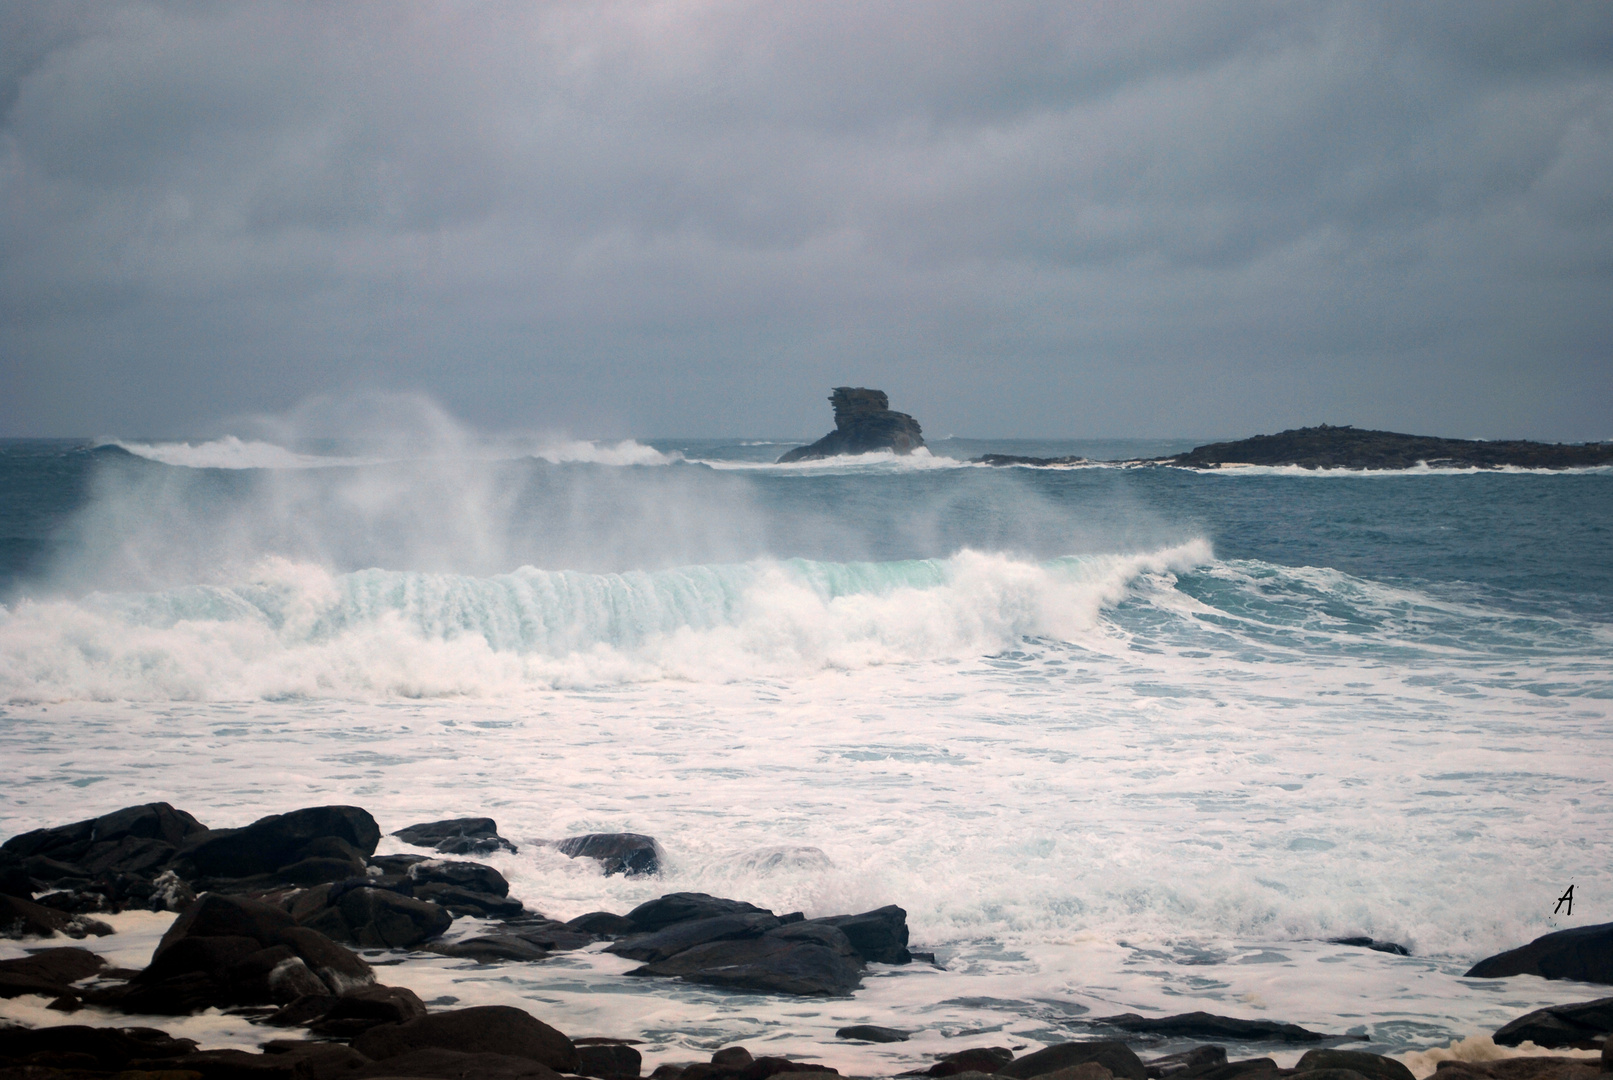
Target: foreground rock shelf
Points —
{"points": [[266, 915]]}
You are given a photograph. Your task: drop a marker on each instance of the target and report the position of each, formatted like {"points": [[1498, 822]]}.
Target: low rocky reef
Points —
{"points": [[864, 422], [267, 914], [1326, 447]]}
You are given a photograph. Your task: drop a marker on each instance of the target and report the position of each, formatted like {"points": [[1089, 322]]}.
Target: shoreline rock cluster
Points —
{"points": [[266, 915], [864, 422]]}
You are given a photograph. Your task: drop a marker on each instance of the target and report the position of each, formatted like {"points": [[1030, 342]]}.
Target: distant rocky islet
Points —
{"points": [[267, 916]]}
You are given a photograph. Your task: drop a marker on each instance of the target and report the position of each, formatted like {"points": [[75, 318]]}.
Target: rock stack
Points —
{"points": [[864, 422]]}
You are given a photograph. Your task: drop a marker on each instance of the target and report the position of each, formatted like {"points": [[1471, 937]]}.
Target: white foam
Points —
{"points": [[231, 452]]}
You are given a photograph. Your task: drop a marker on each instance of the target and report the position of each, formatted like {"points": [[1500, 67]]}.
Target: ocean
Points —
{"points": [[1118, 738]]}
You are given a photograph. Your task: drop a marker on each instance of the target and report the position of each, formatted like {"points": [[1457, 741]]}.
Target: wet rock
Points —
{"points": [[879, 936], [1370, 1066], [21, 918], [397, 865], [1369, 943], [682, 936], [872, 1033], [1117, 1057], [604, 924], [457, 836], [768, 963], [1002, 460], [51, 967], [226, 1065], [279, 840], [216, 915], [864, 422], [316, 1060], [548, 934], [104, 1048], [14, 878], [458, 1065], [339, 968], [474, 876], [1198, 1058], [607, 1060], [496, 1029], [328, 1016], [491, 949], [1203, 1025], [1584, 954], [71, 843], [467, 902], [985, 1059], [1330, 447], [1248, 1067], [629, 854], [379, 918], [685, 907], [1523, 1068], [1560, 1025]]}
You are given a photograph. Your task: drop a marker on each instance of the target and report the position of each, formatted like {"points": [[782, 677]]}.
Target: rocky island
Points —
{"points": [[1327, 447], [864, 422]]}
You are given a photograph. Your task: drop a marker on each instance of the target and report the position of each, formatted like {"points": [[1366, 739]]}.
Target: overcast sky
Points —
{"points": [[1081, 219]]}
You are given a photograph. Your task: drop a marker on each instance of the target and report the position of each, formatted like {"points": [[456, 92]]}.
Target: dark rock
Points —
{"points": [[491, 949], [605, 924], [275, 974], [864, 422], [21, 918], [70, 843], [1584, 954], [76, 902], [142, 856], [54, 967], [495, 1029], [1017, 459], [397, 864], [879, 936], [768, 963], [14, 878], [872, 1033], [319, 869], [216, 915], [347, 1017], [1523, 1068], [379, 918], [733, 1057], [1371, 1066], [1369, 943], [106, 1048], [477, 877], [317, 1060], [681, 936], [1117, 1057], [457, 836], [279, 840], [1200, 1057], [467, 902], [985, 1059], [1203, 1025], [548, 934], [1328, 447], [629, 854], [1246, 1067], [608, 1060], [339, 968], [457, 1065], [1560, 1025], [54, 873], [227, 1065], [684, 907]]}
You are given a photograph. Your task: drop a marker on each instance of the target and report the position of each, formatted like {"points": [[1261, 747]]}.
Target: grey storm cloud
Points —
{"points": [[693, 218]]}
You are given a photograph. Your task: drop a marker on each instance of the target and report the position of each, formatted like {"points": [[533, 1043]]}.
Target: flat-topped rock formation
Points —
{"points": [[864, 422], [1346, 447]]}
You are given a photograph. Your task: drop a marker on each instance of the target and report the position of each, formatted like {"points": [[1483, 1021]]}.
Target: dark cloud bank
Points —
{"points": [[687, 218]]}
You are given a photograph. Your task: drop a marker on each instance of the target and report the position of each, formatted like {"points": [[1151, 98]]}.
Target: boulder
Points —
{"points": [[1369, 943], [342, 970], [879, 936], [1584, 954], [379, 918], [493, 1029], [864, 422], [331, 1017], [1197, 1059], [1371, 1066], [21, 918], [316, 1060], [491, 949], [1117, 1057], [1248, 1067], [50, 972], [603, 924], [1560, 1025], [768, 963], [872, 1033], [71, 843], [457, 1065], [629, 854], [217, 915], [1203, 1025], [607, 1059], [104, 1048], [14, 878], [983, 1059], [460, 901], [457, 836], [279, 840], [548, 934], [477, 877], [679, 907], [680, 936]]}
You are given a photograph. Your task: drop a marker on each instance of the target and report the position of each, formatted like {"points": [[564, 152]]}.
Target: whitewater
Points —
{"points": [[1118, 739]]}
